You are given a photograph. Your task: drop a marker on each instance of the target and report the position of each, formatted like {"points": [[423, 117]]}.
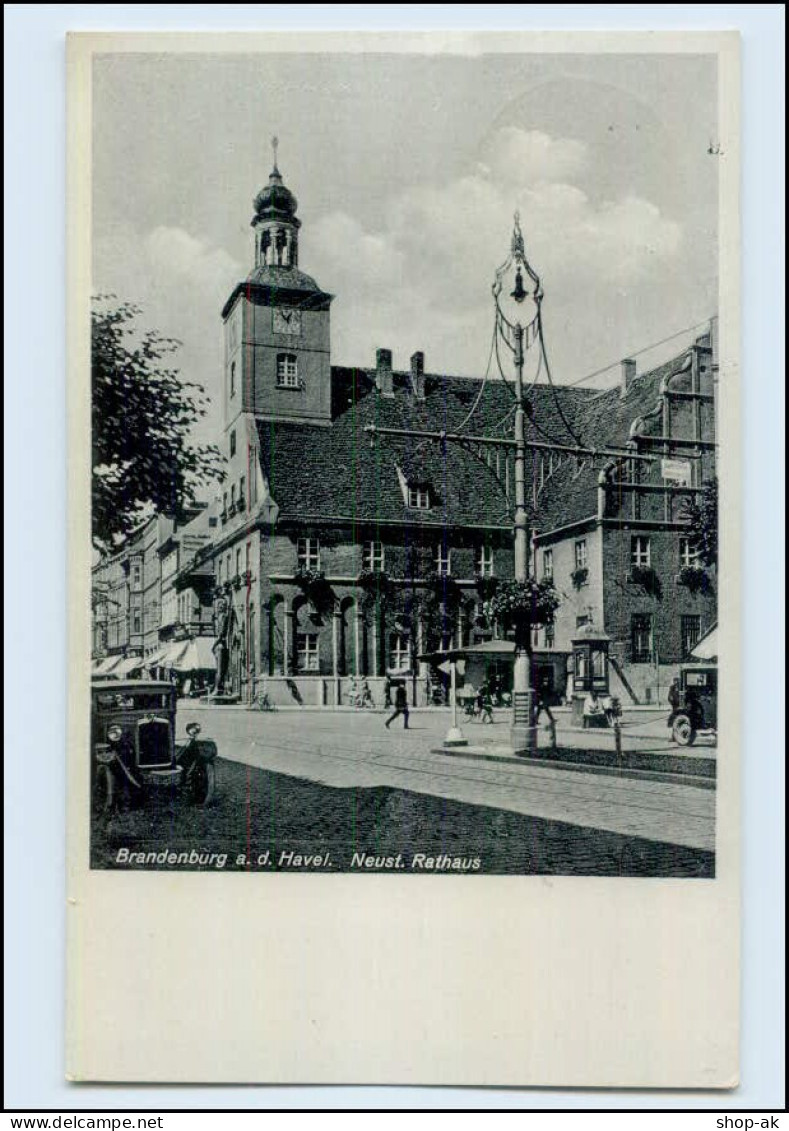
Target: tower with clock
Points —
{"points": [[276, 322]]}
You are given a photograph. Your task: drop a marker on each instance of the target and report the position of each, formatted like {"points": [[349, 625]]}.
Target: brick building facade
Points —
{"points": [[331, 556], [339, 558]]}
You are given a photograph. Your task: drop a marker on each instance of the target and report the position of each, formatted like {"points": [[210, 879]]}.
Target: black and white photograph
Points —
{"points": [[405, 394], [403, 538]]}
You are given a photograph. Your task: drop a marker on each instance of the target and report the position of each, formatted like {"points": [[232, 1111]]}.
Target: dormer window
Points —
{"points": [[287, 371], [418, 497]]}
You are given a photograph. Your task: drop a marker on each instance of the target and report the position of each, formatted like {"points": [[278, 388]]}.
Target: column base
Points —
{"points": [[523, 740], [455, 737]]}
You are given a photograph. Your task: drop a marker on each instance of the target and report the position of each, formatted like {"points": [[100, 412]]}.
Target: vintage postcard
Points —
{"points": [[404, 478]]}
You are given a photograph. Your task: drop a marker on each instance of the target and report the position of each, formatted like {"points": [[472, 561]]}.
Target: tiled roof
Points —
{"points": [[339, 471], [603, 420]]}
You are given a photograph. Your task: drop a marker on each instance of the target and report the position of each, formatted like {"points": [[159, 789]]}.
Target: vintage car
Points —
{"points": [[698, 710], [133, 746]]}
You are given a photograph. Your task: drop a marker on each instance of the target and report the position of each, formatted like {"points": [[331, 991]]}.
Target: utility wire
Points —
{"points": [[570, 431], [478, 397], [637, 353]]}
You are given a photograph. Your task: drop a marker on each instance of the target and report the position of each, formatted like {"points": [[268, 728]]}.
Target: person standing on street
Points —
{"points": [[674, 700], [401, 706]]}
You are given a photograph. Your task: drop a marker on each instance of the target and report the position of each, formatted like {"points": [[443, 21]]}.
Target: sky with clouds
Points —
{"points": [[408, 169]]}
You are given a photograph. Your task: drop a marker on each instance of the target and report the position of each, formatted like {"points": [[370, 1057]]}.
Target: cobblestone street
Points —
{"points": [[343, 750]]}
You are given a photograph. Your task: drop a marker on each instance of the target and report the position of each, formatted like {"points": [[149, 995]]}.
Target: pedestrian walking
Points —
{"points": [[401, 706], [543, 703], [485, 702]]}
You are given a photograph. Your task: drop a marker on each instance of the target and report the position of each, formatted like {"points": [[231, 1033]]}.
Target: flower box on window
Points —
{"points": [[375, 585], [646, 577], [694, 579], [579, 577], [486, 586], [315, 588]]}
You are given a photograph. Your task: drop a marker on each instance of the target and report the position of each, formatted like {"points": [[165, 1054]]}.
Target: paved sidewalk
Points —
{"points": [[355, 751]]}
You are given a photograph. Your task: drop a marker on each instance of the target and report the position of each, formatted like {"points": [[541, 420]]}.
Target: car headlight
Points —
{"points": [[193, 729], [114, 733]]}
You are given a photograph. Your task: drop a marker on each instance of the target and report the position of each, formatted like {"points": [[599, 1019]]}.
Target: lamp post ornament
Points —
{"points": [[518, 338], [523, 733]]}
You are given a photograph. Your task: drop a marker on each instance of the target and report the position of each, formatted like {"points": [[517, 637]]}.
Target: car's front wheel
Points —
{"points": [[202, 782], [683, 731]]}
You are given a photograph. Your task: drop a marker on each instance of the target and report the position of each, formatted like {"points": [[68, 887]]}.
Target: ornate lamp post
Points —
{"points": [[518, 338]]}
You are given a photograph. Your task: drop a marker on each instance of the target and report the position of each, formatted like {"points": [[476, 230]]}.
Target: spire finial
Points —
{"points": [[275, 147], [517, 236]]}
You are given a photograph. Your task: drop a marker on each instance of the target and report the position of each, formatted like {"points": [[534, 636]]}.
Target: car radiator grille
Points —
{"points": [[153, 743]]}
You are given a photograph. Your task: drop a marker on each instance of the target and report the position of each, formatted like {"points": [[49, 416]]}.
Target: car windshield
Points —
{"points": [[132, 701], [701, 681]]}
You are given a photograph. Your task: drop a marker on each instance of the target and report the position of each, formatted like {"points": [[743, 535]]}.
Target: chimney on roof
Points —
{"points": [[383, 373], [418, 375], [628, 373]]}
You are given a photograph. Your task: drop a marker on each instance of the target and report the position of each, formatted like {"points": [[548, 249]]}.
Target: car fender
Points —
{"points": [[203, 748]]}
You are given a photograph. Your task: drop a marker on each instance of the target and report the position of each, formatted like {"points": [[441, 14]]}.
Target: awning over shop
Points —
{"points": [[194, 655], [128, 665], [707, 647], [156, 658], [486, 648], [107, 665]]}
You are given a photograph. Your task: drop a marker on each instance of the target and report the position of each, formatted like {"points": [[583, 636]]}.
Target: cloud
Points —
{"points": [[175, 254], [423, 280], [181, 283], [524, 157]]}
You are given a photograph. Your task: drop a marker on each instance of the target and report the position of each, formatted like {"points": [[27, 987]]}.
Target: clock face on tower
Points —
{"points": [[287, 322]]}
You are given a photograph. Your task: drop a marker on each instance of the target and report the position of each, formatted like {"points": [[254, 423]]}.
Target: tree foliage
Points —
{"points": [[701, 514], [143, 414]]}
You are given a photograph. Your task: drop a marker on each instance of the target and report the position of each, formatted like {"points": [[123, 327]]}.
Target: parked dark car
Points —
{"points": [[698, 710], [133, 746]]}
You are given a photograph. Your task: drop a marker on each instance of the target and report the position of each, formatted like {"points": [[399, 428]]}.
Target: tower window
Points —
{"points": [[233, 379], [287, 371], [581, 555], [232, 444]]}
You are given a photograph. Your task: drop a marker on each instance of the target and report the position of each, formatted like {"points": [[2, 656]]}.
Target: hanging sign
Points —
{"points": [[676, 470]]}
